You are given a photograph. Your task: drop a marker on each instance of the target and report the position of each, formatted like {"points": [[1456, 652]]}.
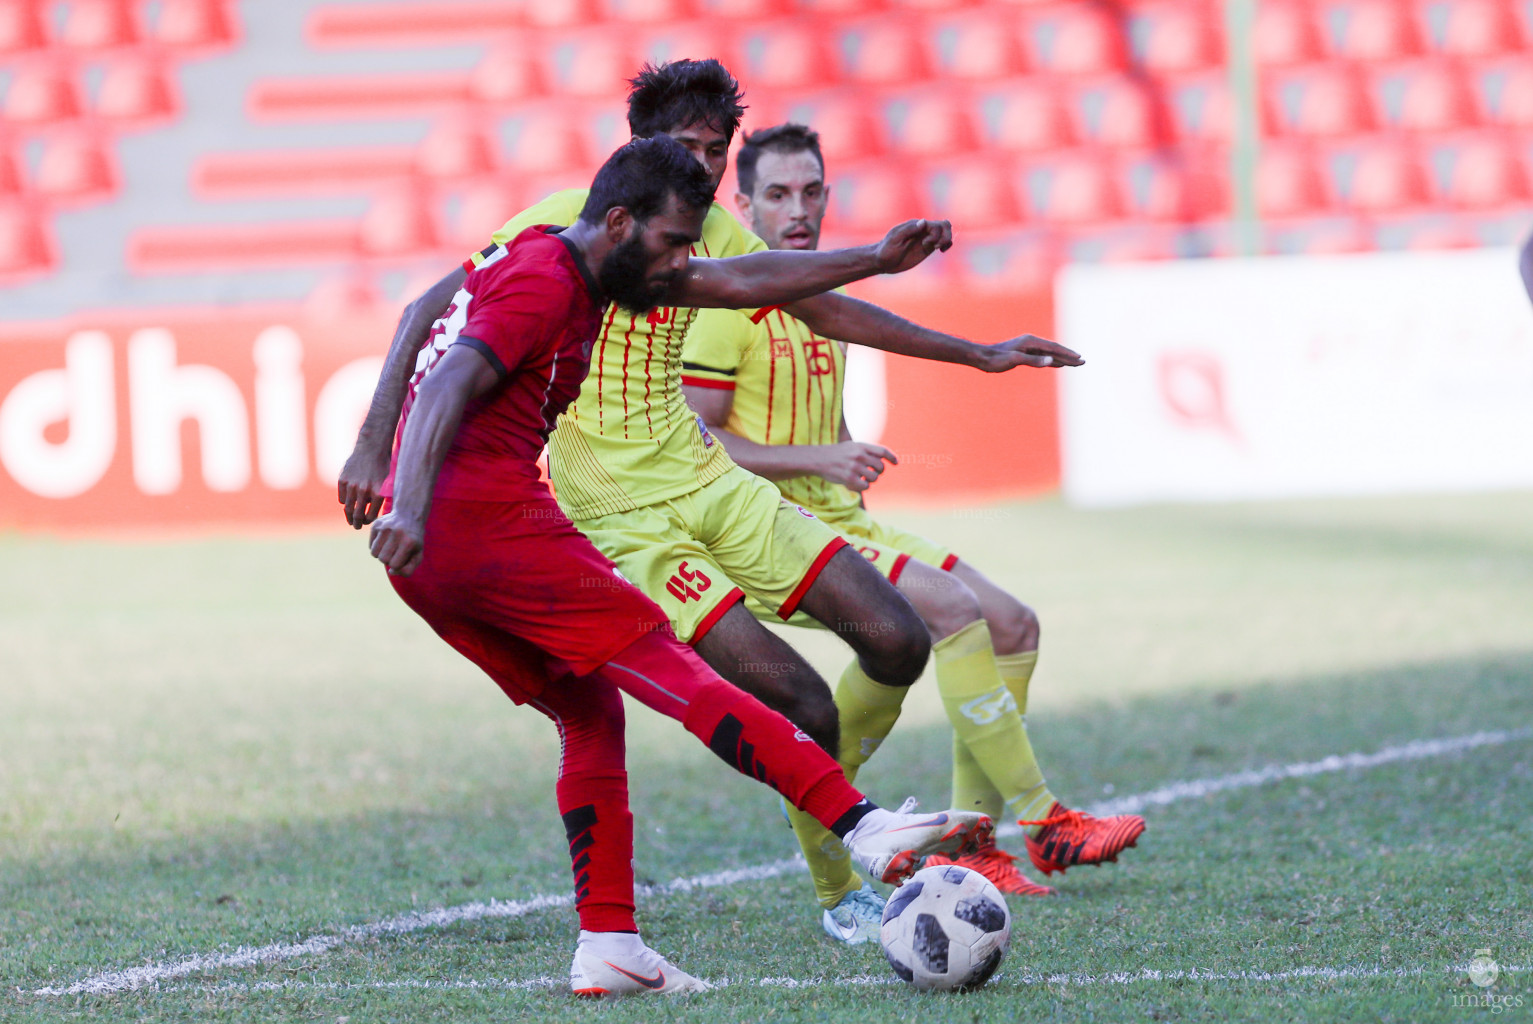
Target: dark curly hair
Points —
{"points": [[682, 92], [642, 175]]}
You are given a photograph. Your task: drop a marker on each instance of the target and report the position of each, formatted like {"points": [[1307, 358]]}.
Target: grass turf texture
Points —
{"points": [[223, 742]]}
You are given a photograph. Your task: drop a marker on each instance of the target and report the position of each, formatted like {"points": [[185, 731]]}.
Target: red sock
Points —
{"points": [[594, 806]]}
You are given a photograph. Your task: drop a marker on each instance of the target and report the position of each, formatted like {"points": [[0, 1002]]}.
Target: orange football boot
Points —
{"points": [[1075, 837], [998, 866]]}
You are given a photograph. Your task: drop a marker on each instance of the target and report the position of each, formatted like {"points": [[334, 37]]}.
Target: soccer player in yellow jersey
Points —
{"points": [[770, 388], [641, 475]]}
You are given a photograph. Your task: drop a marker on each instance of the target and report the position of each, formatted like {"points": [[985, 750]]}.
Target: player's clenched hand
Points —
{"points": [[360, 488], [854, 464], [398, 542], [909, 243], [1027, 350]]}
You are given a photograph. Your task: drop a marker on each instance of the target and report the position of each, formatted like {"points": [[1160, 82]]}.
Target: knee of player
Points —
{"points": [[956, 606], [1014, 627], [901, 651]]}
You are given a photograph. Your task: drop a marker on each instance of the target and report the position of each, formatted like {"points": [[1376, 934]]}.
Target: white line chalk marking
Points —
{"points": [[155, 973]]}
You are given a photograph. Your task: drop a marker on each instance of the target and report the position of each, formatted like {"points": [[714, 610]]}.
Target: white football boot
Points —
{"points": [[593, 975], [889, 845]]}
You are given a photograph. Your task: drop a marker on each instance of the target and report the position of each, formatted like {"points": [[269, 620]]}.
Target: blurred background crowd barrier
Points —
{"points": [[211, 212]]}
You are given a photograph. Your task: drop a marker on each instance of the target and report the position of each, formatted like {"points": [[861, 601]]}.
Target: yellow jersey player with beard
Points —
{"points": [[772, 390]]}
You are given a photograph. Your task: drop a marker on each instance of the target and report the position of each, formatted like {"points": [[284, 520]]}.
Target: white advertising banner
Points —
{"points": [[1312, 376]]}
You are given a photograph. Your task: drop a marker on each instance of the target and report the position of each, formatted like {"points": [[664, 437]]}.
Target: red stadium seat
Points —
{"points": [[973, 193], [43, 93], [570, 14], [399, 223], [1072, 38], [883, 51], [742, 9], [101, 25], [485, 207], [1366, 29], [296, 172], [138, 91], [26, 244], [932, 5], [1287, 183], [979, 45], [22, 28], [1318, 237], [196, 24], [835, 8], [846, 126], [392, 23], [1284, 34], [1069, 188], [1023, 115], [1503, 93], [1373, 176], [1314, 100], [1115, 111], [1121, 243], [1418, 233], [10, 171], [593, 63], [1181, 187], [457, 149], [1465, 28], [543, 139], [76, 167], [1476, 172], [1175, 35], [1198, 105], [199, 247], [1007, 260], [646, 12], [506, 76], [870, 197], [1522, 19], [342, 97], [1421, 96], [602, 128], [930, 123], [690, 39], [782, 55]]}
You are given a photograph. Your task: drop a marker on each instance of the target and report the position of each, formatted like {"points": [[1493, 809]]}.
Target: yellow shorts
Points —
{"points": [[888, 548], [698, 554]]}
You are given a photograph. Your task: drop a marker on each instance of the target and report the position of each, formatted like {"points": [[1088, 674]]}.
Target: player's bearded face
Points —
{"points": [[624, 276]]}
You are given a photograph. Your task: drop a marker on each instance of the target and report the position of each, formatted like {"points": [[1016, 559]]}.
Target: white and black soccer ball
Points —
{"points": [[947, 928]]}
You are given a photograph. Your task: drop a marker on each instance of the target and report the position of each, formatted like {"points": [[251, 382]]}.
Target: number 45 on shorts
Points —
{"points": [[688, 584]]}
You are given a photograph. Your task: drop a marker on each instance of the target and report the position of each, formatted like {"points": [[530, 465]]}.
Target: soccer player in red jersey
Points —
{"points": [[476, 545]]}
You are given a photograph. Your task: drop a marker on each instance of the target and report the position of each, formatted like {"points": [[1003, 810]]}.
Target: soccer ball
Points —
{"points": [[946, 928]]}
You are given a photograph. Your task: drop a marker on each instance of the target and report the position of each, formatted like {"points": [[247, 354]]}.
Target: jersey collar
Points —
{"points": [[580, 264]]}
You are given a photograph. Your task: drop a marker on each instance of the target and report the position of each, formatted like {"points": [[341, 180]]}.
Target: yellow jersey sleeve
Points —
{"points": [[561, 208], [719, 340]]}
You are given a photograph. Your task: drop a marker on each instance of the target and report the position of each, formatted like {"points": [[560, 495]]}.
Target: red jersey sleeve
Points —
{"points": [[520, 318]]}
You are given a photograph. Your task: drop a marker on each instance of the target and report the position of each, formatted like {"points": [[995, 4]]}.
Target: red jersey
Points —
{"points": [[533, 311]]}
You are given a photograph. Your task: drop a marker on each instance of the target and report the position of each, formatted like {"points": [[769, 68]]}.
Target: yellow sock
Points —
{"points": [[986, 722], [868, 710], [1017, 671]]}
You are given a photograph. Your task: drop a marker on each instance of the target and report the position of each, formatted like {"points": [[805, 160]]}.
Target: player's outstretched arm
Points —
{"points": [[779, 276], [462, 374], [853, 464], [861, 323], [360, 487]]}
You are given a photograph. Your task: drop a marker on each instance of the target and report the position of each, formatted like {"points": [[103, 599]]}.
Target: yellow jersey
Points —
{"points": [[787, 384], [630, 439]]}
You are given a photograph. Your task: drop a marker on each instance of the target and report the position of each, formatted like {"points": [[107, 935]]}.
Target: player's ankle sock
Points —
{"points": [[984, 716], [609, 944], [972, 790], [1017, 671], [830, 869], [599, 826], [756, 741], [868, 710]]}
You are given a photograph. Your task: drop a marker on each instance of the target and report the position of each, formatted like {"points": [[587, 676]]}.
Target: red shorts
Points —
{"points": [[517, 590]]}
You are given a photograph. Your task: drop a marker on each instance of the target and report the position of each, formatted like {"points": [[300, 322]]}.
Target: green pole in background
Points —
{"points": [[1239, 27]]}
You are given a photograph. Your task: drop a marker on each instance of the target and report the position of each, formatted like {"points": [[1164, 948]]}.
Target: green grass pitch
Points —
{"points": [[215, 743]]}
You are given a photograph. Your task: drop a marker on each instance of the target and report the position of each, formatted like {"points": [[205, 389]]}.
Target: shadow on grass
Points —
{"points": [[221, 888]]}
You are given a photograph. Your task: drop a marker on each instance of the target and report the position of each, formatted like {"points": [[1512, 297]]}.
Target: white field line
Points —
{"points": [[1415, 750], [1058, 980], [248, 956]]}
